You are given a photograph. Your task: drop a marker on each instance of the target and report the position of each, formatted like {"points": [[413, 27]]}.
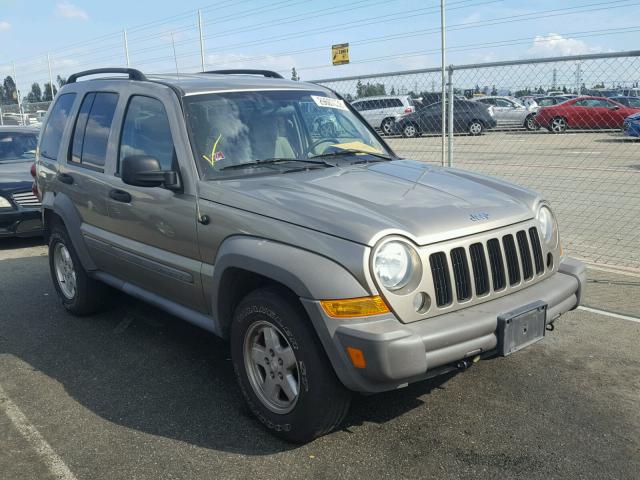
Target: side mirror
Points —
{"points": [[615, 107], [144, 171]]}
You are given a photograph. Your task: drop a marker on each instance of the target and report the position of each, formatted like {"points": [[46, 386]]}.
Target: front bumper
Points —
{"points": [[20, 222], [398, 353], [632, 129]]}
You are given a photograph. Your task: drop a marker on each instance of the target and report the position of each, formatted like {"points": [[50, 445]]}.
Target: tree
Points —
{"points": [[61, 81], [294, 75], [564, 89], [10, 94], [370, 90], [477, 89], [393, 91], [35, 95], [494, 91], [46, 93]]}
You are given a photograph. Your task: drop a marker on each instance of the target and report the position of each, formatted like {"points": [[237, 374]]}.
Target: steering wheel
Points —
{"points": [[313, 145]]}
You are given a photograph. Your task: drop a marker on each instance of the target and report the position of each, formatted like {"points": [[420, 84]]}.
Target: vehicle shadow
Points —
{"points": [[141, 368], [14, 243], [618, 140]]}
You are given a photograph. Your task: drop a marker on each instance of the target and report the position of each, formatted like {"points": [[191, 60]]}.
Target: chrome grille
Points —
{"points": [[510, 257], [26, 199]]}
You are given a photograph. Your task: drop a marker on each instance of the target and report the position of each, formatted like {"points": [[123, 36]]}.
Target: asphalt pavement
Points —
{"points": [[133, 393]]}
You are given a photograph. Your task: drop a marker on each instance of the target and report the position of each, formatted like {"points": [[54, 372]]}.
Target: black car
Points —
{"points": [[468, 117], [19, 207]]}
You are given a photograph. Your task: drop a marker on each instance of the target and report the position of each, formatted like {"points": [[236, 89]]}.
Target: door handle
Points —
{"points": [[65, 178], [120, 196]]}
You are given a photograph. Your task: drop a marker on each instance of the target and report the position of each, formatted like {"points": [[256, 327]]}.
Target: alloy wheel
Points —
{"points": [[271, 366], [65, 271]]}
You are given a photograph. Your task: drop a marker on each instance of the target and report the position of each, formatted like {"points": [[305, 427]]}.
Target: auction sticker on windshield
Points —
{"points": [[328, 102]]}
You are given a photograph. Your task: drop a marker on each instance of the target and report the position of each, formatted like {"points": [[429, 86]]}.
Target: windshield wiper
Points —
{"points": [[272, 161], [352, 151]]}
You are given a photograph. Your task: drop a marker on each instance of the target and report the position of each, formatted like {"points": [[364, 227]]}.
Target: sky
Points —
{"points": [[384, 35]]}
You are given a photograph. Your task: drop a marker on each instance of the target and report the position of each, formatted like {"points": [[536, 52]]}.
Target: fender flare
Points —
{"points": [[62, 206], [307, 274]]}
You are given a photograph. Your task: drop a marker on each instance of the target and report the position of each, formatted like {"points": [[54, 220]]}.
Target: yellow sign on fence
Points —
{"points": [[340, 54]]}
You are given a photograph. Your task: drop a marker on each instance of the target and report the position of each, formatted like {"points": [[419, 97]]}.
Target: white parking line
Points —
{"points": [[610, 314], [31, 434]]}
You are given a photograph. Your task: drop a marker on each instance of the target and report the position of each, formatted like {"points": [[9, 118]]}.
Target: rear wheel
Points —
{"points": [[558, 125], [79, 293], [475, 127], [387, 126], [283, 372], [530, 123], [410, 130]]}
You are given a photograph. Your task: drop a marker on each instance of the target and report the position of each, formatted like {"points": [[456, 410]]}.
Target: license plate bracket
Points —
{"points": [[522, 327]]}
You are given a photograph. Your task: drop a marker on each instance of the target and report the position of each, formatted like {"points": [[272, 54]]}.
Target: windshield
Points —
{"points": [[17, 146], [240, 128]]}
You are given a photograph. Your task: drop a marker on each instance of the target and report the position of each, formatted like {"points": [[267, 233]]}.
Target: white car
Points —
{"points": [[509, 112], [382, 112]]}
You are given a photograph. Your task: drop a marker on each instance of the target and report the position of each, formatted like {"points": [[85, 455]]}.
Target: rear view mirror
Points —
{"points": [[145, 171]]}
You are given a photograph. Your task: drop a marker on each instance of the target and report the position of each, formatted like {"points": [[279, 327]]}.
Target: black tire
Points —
{"points": [[475, 127], [388, 126], [322, 401], [410, 130], [90, 295], [530, 124], [558, 125]]}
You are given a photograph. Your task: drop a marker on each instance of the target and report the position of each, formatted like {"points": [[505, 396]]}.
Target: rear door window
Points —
{"points": [[146, 131], [53, 130], [92, 128]]}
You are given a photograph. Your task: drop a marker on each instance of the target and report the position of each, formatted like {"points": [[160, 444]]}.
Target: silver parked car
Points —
{"points": [[509, 112], [328, 263], [382, 112]]}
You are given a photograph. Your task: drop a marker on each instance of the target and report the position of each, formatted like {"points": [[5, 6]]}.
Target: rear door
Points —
{"points": [[82, 177]]}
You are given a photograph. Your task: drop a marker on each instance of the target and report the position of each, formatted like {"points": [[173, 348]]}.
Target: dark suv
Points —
{"points": [[328, 263], [468, 117]]}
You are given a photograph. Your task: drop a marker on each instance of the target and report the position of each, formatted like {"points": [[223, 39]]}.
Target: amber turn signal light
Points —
{"points": [[355, 307]]}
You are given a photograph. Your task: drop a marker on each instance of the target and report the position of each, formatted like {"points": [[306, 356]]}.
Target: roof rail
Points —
{"points": [[264, 73], [132, 72]]}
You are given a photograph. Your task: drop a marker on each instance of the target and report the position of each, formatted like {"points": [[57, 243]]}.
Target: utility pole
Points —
{"points": [[443, 75], [201, 40], [50, 75], [175, 58], [126, 46]]}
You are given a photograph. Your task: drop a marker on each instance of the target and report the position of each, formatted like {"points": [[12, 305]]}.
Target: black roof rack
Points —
{"points": [[264, 73], [132, 72]]}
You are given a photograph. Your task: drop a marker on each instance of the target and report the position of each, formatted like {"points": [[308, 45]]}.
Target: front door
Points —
{"points": [[153, 228]]}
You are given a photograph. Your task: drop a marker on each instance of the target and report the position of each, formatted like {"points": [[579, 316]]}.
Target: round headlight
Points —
{"points": [[548, 225], [392, 265]]}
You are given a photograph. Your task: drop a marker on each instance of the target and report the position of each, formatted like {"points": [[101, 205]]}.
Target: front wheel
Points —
{"points": [[283, 372], [476, 127]]}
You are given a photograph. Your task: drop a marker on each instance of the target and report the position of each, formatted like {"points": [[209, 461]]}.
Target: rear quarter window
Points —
{"points": [[54, 128]]}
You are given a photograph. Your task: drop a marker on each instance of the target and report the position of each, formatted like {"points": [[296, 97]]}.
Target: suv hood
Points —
{"points": [[362, 203]]}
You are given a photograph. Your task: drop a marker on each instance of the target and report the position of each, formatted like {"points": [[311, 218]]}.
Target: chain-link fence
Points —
{"points": [[554, 125]]}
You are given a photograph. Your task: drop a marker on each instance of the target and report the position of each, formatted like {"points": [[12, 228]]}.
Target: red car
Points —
{"points": [[584, 112]]}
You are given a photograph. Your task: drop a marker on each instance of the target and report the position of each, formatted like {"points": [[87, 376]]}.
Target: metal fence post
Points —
{"points": [[450, 119], [126, 46], [15, 81], [201, 40], [443, 80], [50, 76]]}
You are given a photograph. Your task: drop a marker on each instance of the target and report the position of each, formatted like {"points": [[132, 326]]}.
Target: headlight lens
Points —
{"points": [[4, 203], [548, 225], [392, 265]]}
